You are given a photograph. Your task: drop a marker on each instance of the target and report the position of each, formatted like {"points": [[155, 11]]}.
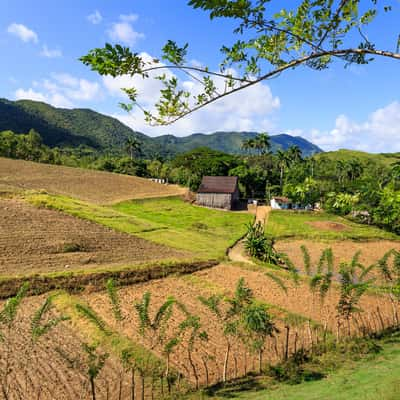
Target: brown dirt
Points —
{"points": [[55, 367], [343, 251], [328, 226], [94, 186], [237, 252], [36, 240], [298, 299], [223, 279]]}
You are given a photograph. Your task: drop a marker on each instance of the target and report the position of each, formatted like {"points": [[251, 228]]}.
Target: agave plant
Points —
{"points": [[259, 246]]}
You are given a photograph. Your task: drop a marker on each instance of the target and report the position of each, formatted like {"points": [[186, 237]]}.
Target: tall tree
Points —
{"points": [[262, 143], [294, 154], [274, 37], [283, 163], [133, 146]]}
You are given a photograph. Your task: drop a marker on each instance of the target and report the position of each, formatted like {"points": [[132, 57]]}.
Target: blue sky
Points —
{"points": [[41, 42]]}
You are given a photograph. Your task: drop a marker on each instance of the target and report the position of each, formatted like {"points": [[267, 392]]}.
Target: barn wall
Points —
{"points": [[215, 200]]}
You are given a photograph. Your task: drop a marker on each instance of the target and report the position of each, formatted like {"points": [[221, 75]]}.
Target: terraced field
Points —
{"points": [[39, 240], [93, 186]]}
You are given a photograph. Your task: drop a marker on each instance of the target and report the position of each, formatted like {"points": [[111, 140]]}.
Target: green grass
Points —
{"points": [[289, 224], [111, 340], [201, 230], [170, 221], [366, 158], [371, 377]]}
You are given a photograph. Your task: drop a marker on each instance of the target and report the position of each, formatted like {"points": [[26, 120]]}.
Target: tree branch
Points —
{"points": [[197, 69], [292, 64]]}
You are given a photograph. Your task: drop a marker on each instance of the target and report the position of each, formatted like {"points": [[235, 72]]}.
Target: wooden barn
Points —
{"points": [[218, 192]]}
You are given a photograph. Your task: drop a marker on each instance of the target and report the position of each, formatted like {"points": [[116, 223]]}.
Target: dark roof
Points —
{"points": [[282, 199], [218, 184]]}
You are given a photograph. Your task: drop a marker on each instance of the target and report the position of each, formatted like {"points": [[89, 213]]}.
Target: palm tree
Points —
{"points": [[154, 328], [259, 325], [283, 163], [262, 143], [294, 154], [133, 146], [229, 317], [193, 325], [248, 145]]}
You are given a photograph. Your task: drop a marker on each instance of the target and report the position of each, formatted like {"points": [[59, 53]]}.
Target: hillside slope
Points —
{"points": [[231, 142], [386, 159], [65, 127], [84, 184]]}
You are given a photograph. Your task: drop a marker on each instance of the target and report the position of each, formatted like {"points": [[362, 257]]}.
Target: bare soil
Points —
{"points": [[55, 367], [328, 226], [222, 279], [298, 298], [94, 186], [36, 240], [343, 251]]}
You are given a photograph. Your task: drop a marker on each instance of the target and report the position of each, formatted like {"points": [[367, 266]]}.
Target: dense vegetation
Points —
{"points": [[83, 127], [363, 186]]}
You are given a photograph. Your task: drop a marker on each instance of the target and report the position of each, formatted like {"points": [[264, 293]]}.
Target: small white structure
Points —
{"points": [[281, 203], [284, 203]]}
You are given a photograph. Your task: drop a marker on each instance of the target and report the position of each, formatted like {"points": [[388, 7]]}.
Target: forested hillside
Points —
{"points": [[71, 128]]}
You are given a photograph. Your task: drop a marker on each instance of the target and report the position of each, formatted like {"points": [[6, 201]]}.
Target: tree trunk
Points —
{"points": [[380, 318], [196, 377], [167, 374], [206, 370], [287, 342], [224, 374], [260, 354], [142, 382], [93, 388], [133, 384]]}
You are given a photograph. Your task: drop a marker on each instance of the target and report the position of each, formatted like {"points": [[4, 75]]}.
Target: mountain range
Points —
{"points": [[73, 127]]}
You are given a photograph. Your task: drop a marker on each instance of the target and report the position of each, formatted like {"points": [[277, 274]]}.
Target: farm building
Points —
{"points": [[218, 192], [284, 203], [281, 203]]}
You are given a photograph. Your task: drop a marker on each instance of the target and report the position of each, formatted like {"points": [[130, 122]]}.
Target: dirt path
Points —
{"points": [[237, 252]]}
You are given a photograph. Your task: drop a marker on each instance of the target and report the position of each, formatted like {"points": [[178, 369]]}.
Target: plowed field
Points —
{"points": [[343, 250], [34, 240], [298, 303], [94, 186]]}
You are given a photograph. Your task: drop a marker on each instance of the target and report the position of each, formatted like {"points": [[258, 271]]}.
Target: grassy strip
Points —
{"points": [[169, 221], [296, 225], [351, 375], [197, 229], [77, 281], [112, 341]]}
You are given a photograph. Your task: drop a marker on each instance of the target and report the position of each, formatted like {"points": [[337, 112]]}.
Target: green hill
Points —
{"points": [[345, 155], [231, 142], [71, 128]]}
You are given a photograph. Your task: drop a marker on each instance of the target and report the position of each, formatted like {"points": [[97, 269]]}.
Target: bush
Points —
{"points": [[259, 246]]}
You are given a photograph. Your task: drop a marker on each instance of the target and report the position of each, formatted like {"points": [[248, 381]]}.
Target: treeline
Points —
{"points": [[367, 189]]}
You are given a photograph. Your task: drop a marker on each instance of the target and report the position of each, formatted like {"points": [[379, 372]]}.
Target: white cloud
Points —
{"points": [[128, 17], [380, 132], [95, 18], [23, 33], [123, 31], [250, 110], [61, 90], [66, 79], [50, 53], [29, 94], [85, 91]]}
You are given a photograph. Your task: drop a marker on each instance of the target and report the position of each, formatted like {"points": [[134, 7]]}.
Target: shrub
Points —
{"points": [[259, 246]]}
